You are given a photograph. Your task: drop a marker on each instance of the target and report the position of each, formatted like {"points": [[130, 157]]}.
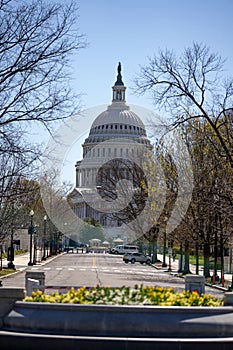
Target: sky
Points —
{"points": [[130, 31]]}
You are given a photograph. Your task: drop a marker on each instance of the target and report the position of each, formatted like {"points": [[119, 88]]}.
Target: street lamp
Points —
{"points": [[30, 232], [10, 255], [44, 254], [35, 245]]}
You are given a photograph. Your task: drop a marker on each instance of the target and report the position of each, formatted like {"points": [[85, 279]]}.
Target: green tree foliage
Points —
{"points": [[91, 230], [198, 99], [207, 222]]}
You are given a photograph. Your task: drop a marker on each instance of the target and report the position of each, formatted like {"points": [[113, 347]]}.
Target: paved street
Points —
{"points": [[67, 270]]}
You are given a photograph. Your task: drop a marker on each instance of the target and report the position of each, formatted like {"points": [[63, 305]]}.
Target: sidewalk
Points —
{"points": [[175, 267], [21, 262]]}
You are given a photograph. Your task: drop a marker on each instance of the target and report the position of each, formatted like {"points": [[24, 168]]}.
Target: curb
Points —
{"points": [[175, 273], [24, 268]]}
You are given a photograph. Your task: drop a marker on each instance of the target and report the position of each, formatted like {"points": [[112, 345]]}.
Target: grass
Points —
{"points": [[6, 271], [16, 252], [192, 260]]}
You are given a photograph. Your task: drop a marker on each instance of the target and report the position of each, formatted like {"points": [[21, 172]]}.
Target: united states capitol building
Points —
{"points": [[111, 154]]}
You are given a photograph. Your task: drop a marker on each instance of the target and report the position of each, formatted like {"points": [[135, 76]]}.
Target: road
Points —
{"points": [[77, 270]]}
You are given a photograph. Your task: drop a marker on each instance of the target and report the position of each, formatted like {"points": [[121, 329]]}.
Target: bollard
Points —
{"points": [[228, 299], [32, 286], [39, 276], [195, 283]]}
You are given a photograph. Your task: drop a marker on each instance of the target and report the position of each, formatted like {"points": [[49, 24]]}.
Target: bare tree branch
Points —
{"points": [[190, 86]]}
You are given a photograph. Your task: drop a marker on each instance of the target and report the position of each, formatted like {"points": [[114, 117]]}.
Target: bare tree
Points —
{"points": [[206, 224], [192, 86], [133, 192], [37, 41]]}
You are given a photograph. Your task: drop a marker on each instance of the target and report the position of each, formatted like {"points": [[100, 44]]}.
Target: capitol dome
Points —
{"points": [[117, 138], [118, 121], [120, 115]]}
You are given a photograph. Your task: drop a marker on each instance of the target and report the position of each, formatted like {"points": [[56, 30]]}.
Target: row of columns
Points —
{"points": [[87, 177], [102, 152]]}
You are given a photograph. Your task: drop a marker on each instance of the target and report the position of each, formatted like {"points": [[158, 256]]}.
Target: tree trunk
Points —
{"points": [[215, 277], [155, 251], [0, 257], [150, 249], [222, 253], [197, 259], [186, 259], [180, 270], [206, 252]]}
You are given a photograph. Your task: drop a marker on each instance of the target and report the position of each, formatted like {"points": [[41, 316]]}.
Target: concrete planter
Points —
{"points": [[118, 327], [59, 326], [8, 297], [105, 320]]}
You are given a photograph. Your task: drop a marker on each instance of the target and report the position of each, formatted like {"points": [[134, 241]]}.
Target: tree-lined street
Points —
{"points": [[190, 213], [75, 270]]}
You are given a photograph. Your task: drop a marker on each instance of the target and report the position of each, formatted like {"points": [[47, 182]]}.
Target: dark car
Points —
{"points": [[136, 257]]}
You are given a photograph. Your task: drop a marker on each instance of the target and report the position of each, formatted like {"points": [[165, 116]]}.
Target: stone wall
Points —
{"points": [[37, 326], [8, 297]]}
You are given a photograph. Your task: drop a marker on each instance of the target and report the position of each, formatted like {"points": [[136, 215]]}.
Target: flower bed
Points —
{"points": [[132, 318], [138, 295]]}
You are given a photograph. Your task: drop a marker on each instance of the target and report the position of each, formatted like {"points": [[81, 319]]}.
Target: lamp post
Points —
{"points": [[10, 254], [35, 245], [30, 232], [44, 254], [50, 243]]}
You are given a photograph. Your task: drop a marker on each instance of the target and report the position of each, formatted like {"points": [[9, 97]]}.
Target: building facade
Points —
{"points": [[117, 137]]}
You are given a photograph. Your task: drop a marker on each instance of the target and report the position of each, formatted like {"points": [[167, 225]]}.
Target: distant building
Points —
{"points": [[20, 240], [116, 136]]}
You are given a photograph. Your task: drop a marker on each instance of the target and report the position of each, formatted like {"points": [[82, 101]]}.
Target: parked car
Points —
{"points": [[122, 249], [136, 257]]}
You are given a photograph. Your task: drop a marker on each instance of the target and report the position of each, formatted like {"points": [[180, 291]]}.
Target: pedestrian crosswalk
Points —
{"points": [[111, 270]]}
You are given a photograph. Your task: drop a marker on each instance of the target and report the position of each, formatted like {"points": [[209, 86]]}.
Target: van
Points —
{"points": [[126, 248]]}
